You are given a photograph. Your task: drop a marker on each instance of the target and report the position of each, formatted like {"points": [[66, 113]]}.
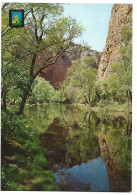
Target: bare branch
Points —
{"points": [[42, 18], [27, 14], [51, 63], [6, 32], [36, 28], [50, 45], [114, 72], [5, 28], [5, 5], [29, 10]]}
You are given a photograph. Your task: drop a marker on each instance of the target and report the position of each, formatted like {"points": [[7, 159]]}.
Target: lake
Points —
{"points": [[88, 151]]}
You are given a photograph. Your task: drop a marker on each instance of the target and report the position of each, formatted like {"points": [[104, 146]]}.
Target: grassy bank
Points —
{"points": [[114, 107], [24, 164]]}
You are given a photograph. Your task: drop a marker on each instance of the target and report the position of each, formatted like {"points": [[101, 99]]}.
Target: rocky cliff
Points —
{"points": [[119, 17], [56, 73]]}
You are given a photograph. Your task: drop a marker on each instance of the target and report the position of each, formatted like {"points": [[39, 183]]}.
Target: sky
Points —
{"points": [[95, 19]]}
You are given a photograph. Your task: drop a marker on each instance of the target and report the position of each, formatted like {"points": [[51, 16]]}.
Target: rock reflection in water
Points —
{"points": [[78, 140], [65, 149]]}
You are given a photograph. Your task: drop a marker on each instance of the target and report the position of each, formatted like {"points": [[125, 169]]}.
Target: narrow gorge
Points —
{"points": [[119, 18], [66, 100]]}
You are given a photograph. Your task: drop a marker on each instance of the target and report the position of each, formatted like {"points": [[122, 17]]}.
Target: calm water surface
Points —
{"points": [[88, 151]]}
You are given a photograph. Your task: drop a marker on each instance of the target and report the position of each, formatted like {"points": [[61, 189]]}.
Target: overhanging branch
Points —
{"points": [[51, 63], [114, 72]]}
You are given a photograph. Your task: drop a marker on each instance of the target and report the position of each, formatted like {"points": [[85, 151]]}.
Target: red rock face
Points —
{"points": [[110, 55], [56, 73]]}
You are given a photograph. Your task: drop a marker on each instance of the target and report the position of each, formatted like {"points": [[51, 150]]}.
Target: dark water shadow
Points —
{"points": [[88, 151]]}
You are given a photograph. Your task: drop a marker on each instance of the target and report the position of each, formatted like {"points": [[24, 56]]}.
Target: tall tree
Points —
{"points": [[81, 80], [47, 35]]}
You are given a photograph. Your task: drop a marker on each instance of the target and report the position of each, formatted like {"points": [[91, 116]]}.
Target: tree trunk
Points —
{"points": [[24, 98], [89, 120], [89, 99], [14, 102], [130, 95], [127, 99], [4, 101], [86, 99]]}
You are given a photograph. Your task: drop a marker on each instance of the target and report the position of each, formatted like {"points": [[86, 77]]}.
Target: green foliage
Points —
{"points": [[46, 31], [29, 170], [15, 74], [9, 176], [44, 117], [117, 131], [23, 59], [44, 92], [80, 81], [72, 126], [76, 130], [123, 69], [117, 88]]}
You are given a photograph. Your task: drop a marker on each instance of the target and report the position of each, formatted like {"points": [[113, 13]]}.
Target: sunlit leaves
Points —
{"points": [[44, 92], [81, 80], [46, 33]]}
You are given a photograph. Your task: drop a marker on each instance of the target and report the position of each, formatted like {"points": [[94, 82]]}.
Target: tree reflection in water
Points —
{"points": [[76, 138]]}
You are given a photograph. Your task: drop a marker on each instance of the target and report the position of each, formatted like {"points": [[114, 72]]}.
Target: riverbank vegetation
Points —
{"points": [[46, 31], [114, 92], [26, 52], [23, 85], [73, 134], [82, 86], [24, 164]]}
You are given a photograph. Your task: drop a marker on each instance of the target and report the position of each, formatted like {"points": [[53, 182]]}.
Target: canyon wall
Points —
{"points": [[56, 73], [110, 55]]}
